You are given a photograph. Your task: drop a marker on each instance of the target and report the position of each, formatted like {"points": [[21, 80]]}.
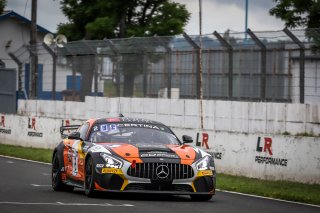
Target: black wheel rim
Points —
{"points": [[88, 175], [55, 169]]}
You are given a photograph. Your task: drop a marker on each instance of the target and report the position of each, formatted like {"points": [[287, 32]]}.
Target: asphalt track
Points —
{"points": [[25, 187]]}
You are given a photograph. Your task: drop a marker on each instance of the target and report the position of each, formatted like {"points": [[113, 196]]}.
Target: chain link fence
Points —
{"points": [[277, 66]]}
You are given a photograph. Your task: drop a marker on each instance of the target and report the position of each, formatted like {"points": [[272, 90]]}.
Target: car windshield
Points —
{"points": [[132, 133]]}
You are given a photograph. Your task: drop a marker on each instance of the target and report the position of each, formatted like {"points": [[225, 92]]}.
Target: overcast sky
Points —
{"points": [[218, 15]]}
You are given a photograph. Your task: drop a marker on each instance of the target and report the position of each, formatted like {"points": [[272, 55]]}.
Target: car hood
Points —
{"points": [[185, 154]]}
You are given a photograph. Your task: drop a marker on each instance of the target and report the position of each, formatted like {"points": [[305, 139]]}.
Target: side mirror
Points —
{"points": [[74, 135], [187, 139]]}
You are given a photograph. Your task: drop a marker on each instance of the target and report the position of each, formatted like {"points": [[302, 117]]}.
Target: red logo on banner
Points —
{"points": [[266, 147], [205, 139], [204, 142], [3, 121], [32, 124]]}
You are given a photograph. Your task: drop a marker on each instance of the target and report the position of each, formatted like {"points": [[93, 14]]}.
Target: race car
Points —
{"points": [[124, 154]]}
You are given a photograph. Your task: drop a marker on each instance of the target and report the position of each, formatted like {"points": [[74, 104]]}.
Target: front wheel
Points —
{"points": [[200, 197], [56, 180], [89, 179]]}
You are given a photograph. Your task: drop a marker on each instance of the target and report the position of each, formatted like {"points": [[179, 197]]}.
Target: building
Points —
{"points": [[15, 53]]}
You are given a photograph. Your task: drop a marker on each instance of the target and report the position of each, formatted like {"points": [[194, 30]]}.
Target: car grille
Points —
{"points": [[158, 187], [161, 171]]}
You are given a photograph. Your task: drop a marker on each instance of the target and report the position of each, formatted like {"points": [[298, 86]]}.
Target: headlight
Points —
{"points": [[111, 162], [205, 163]]}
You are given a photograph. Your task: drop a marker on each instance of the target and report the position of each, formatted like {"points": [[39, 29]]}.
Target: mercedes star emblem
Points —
{"points": [[162, 171]]}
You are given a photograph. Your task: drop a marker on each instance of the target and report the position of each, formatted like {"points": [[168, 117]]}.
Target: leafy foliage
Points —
{"points": [[300, 13], [2, 5], [97, 19]]}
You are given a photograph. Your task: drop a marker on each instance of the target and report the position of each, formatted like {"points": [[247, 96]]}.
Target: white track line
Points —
{"points": [[37, 185], [25, 160], [268, 198], [219, 190], [69, 204]]}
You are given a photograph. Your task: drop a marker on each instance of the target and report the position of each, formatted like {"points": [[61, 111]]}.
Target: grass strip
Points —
{"points": [[292, 191], [285, 190], [36, 154]]}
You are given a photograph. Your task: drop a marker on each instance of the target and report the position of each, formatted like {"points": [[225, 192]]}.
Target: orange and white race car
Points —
{"points": [[131, 155]]}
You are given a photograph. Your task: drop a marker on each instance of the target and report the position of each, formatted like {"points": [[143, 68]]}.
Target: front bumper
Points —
{"points": [[118, 180]]}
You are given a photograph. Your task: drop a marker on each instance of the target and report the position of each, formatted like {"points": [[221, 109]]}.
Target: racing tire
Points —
{"points": [[56, 180], [89, 179], [200, 197]]}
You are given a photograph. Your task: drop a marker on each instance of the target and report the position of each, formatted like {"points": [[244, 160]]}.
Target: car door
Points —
{"points": [[75, 155]]}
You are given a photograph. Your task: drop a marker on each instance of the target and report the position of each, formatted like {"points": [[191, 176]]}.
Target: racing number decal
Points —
{"points": [[76, 150], [75, 164]]}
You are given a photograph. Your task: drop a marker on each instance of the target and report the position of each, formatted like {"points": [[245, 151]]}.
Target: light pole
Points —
{"points": [[200, 64], [246, 20], [59, 41]]}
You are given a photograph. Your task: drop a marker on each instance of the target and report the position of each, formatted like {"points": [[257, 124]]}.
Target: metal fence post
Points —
{"points": [[54, 69], [145, 71], [115, 52], [263, 63], [96, 75], [19, 63], [168, 61], [198, 49], [230, 60], [74, 80], [301, 61]]}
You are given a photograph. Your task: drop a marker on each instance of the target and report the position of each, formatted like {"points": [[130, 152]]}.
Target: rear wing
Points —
{"points": [[67, 128]]}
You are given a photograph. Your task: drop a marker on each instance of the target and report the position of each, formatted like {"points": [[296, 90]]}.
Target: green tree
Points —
{"points": [[2, 5], [98, 19], [300, 13]]}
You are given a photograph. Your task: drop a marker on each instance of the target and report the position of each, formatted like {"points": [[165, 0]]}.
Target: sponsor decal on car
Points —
{"points": [[158, 154], [150, 126], [99, 165], [111, 171], [205, 173]]}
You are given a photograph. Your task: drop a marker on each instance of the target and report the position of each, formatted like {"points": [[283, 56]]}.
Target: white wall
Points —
{"points": [[44, 134], [219, 116], [237, 154]]}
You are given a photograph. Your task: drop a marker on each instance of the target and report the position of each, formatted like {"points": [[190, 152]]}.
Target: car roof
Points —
{"points": [[125, 120]]}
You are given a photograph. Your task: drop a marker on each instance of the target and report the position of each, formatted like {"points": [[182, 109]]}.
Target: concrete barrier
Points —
{"points": [[225, 116], [270, 157], [32, 131]]}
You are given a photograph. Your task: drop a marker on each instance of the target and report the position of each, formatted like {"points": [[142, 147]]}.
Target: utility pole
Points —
{"points": [[200, 65], [246, 20], [34, 54]]}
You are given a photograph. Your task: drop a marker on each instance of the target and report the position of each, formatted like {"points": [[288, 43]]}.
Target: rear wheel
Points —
{"points": [[89, 179], [56, 180], [200, 197]]}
